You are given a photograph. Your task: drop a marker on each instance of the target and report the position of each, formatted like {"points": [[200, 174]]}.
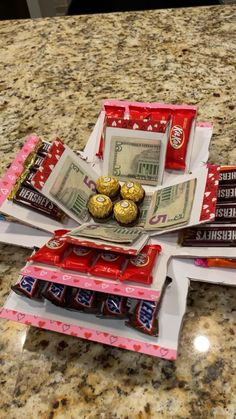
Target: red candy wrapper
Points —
{"points": [[78, 259], [115, 306], [108, 265], [144, 317], [56, 293], [114, 111], [140, 112], [139, 268], [84, 300], [52, 252], [28, 286], [179, 139]]}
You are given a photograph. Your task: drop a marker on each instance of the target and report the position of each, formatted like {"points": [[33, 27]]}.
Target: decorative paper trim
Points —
{"points": [[126, 104], [9, 178], [89, 334], [91, 283], [136, 124], [210, 194], [108, 247], [56, 150]]}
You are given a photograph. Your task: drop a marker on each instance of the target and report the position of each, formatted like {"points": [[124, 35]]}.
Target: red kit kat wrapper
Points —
{"points": [[179, 139]]}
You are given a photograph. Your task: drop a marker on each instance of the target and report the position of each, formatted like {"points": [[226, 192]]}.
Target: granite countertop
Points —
{"points": [[53, 75]]}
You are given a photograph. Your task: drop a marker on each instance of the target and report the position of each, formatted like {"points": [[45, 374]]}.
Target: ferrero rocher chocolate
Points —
{"points": [[108, 185], [133, 191], [100, 206], [126, 212]]}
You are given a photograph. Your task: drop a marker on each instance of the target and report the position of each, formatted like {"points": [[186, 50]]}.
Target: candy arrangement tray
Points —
{"points": [[112, 332], [176, 261]]}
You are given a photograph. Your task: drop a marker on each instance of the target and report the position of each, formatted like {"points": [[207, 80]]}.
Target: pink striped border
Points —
{"points": [[9, 178], [89, 334], [91, 283]]}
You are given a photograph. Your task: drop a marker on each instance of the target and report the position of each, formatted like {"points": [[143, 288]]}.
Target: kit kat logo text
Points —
{"points": [[176, 136]]}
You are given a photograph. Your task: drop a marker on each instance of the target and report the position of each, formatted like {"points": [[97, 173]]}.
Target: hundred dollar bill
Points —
{"points": [[73, 187], [171, 206], [114, 234], [134, 158]]}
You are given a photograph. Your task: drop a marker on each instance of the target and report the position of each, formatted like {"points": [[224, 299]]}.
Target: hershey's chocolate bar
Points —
{"points": [[227, 176], [44, 149], [210, 236], [225, 213], [29, 197], [29, 177], [38, 161], [227, 193]]}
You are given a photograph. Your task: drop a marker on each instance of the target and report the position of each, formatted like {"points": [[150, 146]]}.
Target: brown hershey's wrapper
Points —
{"points": [[225, 213], [210, 236], [33, 199], [227, 193], [227, 176]]}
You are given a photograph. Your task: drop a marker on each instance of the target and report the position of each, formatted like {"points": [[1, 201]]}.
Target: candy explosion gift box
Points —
{"points": [[118, 226]]}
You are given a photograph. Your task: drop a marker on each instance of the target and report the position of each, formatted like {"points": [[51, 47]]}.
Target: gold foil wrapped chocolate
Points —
{"points": [[133, 191], [108, 185], [100, 206], [126, 212]]}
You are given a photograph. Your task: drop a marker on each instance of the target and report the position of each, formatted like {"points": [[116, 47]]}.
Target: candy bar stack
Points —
{"points": [[112, 217]]}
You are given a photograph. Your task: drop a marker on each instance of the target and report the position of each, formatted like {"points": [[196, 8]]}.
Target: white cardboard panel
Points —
{"points": [[22, 235]]}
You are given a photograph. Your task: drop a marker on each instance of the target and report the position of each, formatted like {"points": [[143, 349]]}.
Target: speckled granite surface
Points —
{"points": [[53, 75]]}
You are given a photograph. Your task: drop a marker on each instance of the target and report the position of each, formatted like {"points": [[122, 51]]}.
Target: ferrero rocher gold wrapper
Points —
{"points": [[125, 212], [133, 191], [100, 206], [108, 185]]}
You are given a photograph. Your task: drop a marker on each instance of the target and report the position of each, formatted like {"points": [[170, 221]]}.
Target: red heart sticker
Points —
{"points": [[137, 348], [87, 335]]}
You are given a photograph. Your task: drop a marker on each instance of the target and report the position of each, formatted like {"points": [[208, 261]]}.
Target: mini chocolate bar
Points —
{"points": [[56, 293], [179, 138], [115, 306], [84, 300], [140, 267], [144, 317], [29, 197], [227, 175], [28, 286], [52, 252], [27, 180], [44, 148], [37, 162], [108, 265], [210, 236], [226, 193], [225, 213], [78, 259], [218, 262]]}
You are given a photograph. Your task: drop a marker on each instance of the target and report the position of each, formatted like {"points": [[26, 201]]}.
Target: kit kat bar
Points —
{"points": [[210, 236]]}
